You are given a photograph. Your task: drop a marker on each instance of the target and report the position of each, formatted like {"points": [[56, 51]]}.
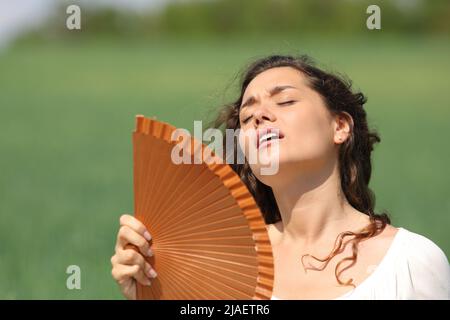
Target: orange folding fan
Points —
{"points": [[208, 236]]}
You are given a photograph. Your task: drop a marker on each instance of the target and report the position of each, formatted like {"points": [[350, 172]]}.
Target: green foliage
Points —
{"points": [[258, 17]]}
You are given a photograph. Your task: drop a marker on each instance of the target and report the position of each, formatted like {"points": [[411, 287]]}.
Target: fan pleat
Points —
{"points": [[172, 270], [213, 234], [208, 235], [207, 264], [170, 211], [168, 173], [211, 218], [214, 286], [244, 240], [149, 170], [163, 216], [168, 192], [217, 274], [182, 276], [191, 199], [175, 234]]}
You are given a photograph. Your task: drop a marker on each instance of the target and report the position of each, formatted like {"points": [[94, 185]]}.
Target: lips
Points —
{"points": [[265, 135]]}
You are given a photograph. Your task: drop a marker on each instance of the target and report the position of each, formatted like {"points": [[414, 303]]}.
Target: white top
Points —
{"points": [[414, 267]]}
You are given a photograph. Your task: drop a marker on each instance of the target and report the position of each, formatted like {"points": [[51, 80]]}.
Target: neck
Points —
{"points": [[312, 205]]}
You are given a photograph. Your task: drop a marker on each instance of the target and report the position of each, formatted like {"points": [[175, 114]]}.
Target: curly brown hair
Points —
{"points": [[355, 165]]}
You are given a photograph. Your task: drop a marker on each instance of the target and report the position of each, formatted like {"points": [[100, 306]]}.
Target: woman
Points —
{"points": [[327, 240]]}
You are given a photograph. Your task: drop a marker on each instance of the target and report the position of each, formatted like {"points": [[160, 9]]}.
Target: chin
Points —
{"points": [[286, 170], [270, 174]]}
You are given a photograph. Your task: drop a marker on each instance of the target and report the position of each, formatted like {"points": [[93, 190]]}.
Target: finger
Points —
{"points": [[127, 235], [136, 225], [122, 273], [129, 257], [132, 258], [149, 271]]}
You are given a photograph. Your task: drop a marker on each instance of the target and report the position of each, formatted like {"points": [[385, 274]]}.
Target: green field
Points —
{"points": [[67, 112]]}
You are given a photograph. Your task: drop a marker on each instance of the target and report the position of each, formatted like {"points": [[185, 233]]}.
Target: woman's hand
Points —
{"points": [[129, 266]]}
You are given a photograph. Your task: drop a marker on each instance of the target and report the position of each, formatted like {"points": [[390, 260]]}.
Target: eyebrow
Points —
{"points": [[275, 90]]}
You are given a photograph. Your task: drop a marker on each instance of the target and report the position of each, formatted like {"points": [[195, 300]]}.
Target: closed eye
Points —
{"points": [[286, 103], [246, 120]]}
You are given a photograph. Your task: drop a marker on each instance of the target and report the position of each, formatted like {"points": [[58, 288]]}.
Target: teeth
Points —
{"points": [[267, 136]]}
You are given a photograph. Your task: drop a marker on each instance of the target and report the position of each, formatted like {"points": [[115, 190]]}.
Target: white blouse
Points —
{"points": [[414, 267]]}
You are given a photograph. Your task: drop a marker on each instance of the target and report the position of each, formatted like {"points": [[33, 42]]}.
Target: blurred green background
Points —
{"points": [[68, 101]]}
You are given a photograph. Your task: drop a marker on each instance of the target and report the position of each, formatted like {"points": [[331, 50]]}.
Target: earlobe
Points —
{"points": [[339, 140]]}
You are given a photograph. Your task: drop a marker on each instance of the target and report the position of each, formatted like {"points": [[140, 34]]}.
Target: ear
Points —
{"points": [[343, 127]]}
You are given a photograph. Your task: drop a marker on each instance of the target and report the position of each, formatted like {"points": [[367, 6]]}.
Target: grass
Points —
{"points": [[67, 111]]}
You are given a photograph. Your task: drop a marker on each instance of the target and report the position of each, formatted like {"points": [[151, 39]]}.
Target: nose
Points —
{"points": [[263, 114]]}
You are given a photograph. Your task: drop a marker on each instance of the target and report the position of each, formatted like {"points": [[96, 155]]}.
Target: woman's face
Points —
{"points": [[279, 98]]}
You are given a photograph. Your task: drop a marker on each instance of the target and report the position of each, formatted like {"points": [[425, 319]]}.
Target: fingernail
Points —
{"points": [[147, 236], [153, 273], [148, 282], [149, 252]]}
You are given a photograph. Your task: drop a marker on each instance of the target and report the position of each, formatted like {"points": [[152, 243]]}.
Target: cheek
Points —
{"points": [[310, 134], [246, 140], [242, 140]]}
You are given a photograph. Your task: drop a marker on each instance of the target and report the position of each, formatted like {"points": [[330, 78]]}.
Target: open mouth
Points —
{"points": [[267, 135]]}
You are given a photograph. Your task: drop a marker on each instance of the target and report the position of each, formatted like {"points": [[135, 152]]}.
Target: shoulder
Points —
{"points": [[423, 264], [420, 249]]}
